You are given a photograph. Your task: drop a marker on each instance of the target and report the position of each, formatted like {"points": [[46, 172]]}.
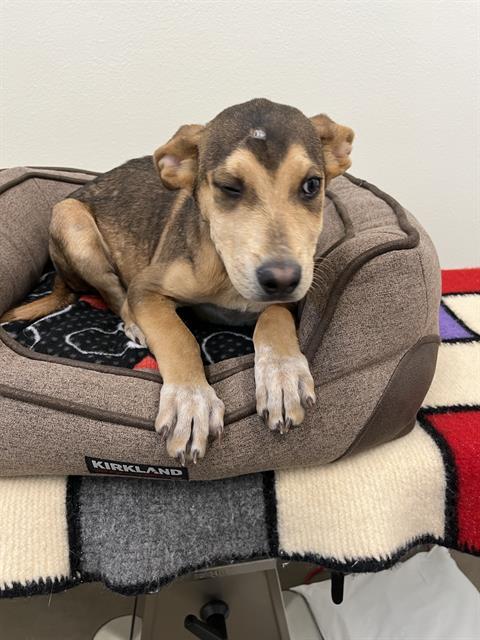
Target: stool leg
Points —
{"points": [[338, 580]]}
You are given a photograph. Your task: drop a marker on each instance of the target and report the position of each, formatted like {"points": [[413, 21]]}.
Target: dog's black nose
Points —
{"points": [[279, 277]]}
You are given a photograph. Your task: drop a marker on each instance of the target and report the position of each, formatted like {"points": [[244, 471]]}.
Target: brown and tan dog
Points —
{"points": [[227, 218]]}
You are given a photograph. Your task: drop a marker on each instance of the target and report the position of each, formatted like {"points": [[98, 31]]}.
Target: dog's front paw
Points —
{"points": [[284, 388], [133, 332], [187, 416]]}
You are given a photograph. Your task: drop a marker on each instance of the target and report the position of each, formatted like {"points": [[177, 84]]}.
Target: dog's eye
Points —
{"points": [[230, 190], [310, 187]]}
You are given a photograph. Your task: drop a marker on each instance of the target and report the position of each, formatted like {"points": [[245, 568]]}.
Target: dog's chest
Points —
{"points": [[222, 315], [206, 285]]}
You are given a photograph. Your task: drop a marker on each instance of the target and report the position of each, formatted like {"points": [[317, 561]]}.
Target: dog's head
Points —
{"points": [[258, 172]]}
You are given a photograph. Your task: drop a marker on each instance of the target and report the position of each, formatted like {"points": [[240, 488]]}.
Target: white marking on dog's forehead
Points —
{"points": [[259, 134]]}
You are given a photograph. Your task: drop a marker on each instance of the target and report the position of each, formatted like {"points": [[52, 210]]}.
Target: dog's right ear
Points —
{"points": [[177, 160]]}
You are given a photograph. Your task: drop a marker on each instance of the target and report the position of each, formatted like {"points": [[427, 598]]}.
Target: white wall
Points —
{"points": [[90, 84]]}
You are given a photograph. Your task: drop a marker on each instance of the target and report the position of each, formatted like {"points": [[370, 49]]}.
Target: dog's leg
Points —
{"points": [[189, 408], [82, 257], [80, 253], [284, 384]]}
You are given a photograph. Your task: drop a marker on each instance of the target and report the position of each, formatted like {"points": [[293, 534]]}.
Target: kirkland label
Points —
{"points": [[135, 470]]}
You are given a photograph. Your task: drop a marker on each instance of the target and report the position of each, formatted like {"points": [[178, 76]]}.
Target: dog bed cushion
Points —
{"points": [[369, 328]]}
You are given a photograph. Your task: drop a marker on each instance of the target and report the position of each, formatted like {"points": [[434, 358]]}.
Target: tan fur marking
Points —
{"points": [[276, 328], [73, 222], [76, 240], [179, 281], [174, 347], [177, 206], [60, 298]]}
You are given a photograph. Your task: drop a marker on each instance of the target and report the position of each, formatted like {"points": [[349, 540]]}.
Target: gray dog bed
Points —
{"points": [[369, 328]]}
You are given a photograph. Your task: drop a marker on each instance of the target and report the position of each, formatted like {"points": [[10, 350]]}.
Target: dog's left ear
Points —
{"points": [[177, 160], [337, 144]]}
